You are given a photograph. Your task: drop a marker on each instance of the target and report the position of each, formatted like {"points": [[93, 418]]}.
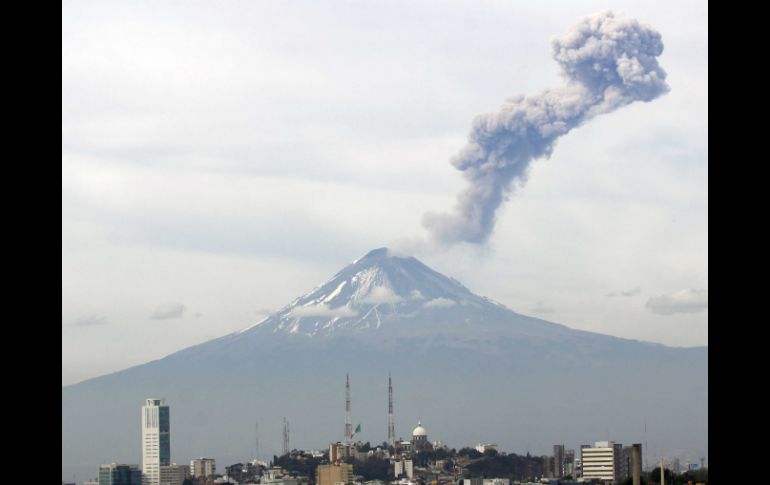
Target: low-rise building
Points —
{"points": [[335, 474], [119, 474], [403, 468], [203, 467]]}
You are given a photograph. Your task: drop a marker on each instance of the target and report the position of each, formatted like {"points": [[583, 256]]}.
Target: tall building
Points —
{"points": [[569, 463], [602, 461], [625, 467], [548, 466], [156, 439], [203, 467], [558, 461], [115, 474], [334, 474]]}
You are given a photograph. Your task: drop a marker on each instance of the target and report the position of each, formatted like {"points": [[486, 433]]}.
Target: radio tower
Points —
{"points": [[256, 440], [285, 436], [391, 427], [348, 424]]}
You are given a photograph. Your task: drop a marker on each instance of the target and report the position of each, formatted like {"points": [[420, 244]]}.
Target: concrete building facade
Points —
{"points": [[174, 474], [558, 461], [403, 467], [340, 474], [203, 467], [602, 461], [156, 439], [118, 474]]}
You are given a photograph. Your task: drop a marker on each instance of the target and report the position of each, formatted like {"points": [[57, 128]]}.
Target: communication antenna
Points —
{"points": [[646, 450], [391, 426], [348, 424], [285, 436], [256, 443]]}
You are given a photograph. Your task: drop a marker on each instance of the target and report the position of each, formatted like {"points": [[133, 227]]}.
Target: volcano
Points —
{"points": [[468, 368]]}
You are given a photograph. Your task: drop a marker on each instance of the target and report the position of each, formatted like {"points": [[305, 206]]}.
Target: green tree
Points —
{"points": [[668, 475]]}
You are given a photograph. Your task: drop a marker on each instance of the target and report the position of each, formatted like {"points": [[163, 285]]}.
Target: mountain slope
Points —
{"points": [[470, 368]]}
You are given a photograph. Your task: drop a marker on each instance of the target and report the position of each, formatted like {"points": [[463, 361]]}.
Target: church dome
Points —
{"points": [[419, 430]]}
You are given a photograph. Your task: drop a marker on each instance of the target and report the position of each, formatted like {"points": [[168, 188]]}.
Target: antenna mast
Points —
{"points": [[391, 427], [348, 424], [285, 436]]}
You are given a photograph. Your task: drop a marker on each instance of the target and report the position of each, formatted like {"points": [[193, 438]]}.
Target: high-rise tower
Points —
{"points": [[156, 439], [348, 423], [391, 426]]}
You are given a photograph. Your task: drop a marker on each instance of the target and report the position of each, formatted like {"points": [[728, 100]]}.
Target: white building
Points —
{"points": [[203, 467], [156, 440], [497, 481], [419, 437], [601, 461], [403, 467], [482, 447]]}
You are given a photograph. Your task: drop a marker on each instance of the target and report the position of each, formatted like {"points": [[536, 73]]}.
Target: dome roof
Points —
{"points": [[419, 430]]}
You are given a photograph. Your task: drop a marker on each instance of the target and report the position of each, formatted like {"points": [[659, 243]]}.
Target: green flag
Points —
{"points": [[358, 429]]}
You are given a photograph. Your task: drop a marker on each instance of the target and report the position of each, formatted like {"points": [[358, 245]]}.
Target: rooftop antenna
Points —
{"points": [[348, 424], [391, 426], [285, 436], [646, 450], [256, 442]]}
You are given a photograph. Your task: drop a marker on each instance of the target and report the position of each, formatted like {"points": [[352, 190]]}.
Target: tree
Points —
{"points": [[667, 474], [373, 468], [469, 452], [365, 447]]}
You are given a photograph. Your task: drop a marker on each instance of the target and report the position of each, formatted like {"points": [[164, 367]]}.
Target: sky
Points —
{"points": [[221, 159]]}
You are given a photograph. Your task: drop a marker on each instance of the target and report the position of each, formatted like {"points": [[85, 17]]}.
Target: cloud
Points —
{"points": [[167, 311], [631, 292], [263, 311], [690, 300], [381, 294], [607, 62], [90, 321], [416, 295], [542, 308], [323, 311], [439, 302]]}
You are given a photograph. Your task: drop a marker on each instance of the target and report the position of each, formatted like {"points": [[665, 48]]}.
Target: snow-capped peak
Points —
{"points": [[381, 290]]}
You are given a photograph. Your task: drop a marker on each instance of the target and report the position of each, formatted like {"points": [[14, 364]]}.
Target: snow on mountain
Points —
{"points": [[477, 370], [397, 295]]}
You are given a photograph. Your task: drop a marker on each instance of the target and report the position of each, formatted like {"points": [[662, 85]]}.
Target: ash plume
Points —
{"points": [[607, 61]]}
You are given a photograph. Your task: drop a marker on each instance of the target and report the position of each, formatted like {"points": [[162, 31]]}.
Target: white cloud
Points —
{"points": [[242, 123], [323, 311], [90, 321], [690, 300], [381, 294], [439, 302], [416, 295], [168, 311], [631, 292]]}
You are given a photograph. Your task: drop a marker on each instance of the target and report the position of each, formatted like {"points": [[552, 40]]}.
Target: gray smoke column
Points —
{"points": [[607, 61]]}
